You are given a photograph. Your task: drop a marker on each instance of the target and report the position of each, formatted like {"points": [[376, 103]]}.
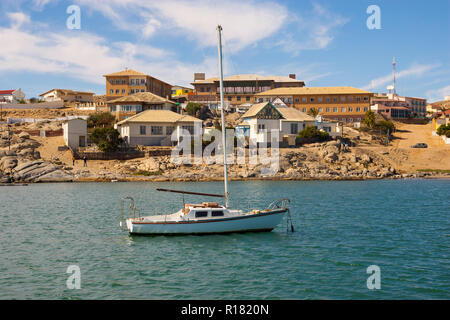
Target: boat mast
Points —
{"points": [[225, 171]]}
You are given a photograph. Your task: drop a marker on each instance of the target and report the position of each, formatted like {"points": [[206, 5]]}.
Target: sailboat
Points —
{"points": [[206, 217]]}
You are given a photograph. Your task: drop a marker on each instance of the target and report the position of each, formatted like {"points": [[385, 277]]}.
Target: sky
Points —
{"points": [[324, 42]]}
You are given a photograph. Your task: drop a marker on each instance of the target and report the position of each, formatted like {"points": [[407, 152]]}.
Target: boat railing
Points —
{"points": [[133, 212], [279, 204]]}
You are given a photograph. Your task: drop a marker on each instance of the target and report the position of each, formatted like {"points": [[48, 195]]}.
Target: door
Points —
{"points": [[82, 141]]}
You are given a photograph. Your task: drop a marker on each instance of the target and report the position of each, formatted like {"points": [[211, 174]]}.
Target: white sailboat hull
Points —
{"points": [[264, 221]]}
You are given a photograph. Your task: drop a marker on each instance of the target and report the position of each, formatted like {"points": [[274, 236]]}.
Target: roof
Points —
{"points": [[124, 73], [67, 91], [287, 113], [312, 90], [250, 77], [6, 91], [292, 114], [253, 110], [244, 124], [142, 97], [159, 116]]}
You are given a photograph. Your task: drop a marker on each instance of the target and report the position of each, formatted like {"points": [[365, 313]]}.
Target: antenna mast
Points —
{"points": [[225, 171], [393, 74]]}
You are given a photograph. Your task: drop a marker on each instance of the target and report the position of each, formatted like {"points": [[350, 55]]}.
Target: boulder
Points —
{"points": [[24, 135], [8, 163]]}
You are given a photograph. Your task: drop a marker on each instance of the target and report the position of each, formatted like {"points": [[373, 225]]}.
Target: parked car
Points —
{"points": [[420, 145]]}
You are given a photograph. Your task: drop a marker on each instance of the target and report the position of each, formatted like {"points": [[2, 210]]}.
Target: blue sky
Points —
{"points": [[325, 43]]}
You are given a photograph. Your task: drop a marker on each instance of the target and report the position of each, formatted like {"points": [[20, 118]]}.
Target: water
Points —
{"points": [[402, 226]]}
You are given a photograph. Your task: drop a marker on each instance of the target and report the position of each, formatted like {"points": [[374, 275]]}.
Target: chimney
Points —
{"points": [[292, 76], [199, 76]]}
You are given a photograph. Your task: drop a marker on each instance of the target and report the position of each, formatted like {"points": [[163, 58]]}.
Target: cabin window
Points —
{"points": [[294, 128], [201, 214], [217, 213], [142, 130], [157, 130]]}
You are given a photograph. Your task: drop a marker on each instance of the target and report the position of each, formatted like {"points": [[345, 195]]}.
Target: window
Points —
{"points": [[247, 98], [335, 99], [358, 109], [350, 99], [123, 82], [358, 99], [117, 81], [366, 99], [142, 130], [112, 108], [328, 109], [231, 98], [132, 90], [157, 130], [111, 91], [143, 82], [320, 109], [297, 100], [350, 109], [202, 89], [208, 89], [366, 109], [123, 90], [328, 99], [304, 99], [238, 98], [132, 82], [319, 99], [169, 130], [294, 128], [190, 129], [217, 213], [343, 109], [117, 91], [335, 109], [343, 120], [304, 110], [201, 214], [312, 99], [342, 98], [261, 127], [350, 120]]}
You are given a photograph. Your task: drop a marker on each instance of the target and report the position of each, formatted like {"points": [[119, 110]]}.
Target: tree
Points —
{"points": [[369, 119], [104, 119], [107, 139], [192, 108], [313, 112], [385, 126]]}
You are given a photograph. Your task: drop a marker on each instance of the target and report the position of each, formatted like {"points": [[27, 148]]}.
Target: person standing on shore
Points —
{"points": [[85, 161]]}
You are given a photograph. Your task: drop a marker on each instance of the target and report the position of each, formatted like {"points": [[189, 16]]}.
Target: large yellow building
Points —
{"points": [[345, 104], [124, 83]]}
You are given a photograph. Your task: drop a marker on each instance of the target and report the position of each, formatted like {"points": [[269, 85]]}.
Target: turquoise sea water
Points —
{"points": [[342, 227]]}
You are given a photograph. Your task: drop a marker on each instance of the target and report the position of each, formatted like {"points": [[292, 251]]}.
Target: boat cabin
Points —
{"points": [[204, 210]]}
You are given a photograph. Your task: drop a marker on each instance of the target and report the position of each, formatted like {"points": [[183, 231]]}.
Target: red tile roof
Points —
{"points": [[6, 91]]}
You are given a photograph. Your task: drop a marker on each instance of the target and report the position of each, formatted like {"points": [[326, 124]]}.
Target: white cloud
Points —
{"points": [[315, 30], [415, 70], [438, 94], [18, 19], [244, 23]]}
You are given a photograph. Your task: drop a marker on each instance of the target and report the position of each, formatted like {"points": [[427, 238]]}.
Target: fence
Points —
{"points": [[42, 133], [33, 120], [118, 155]]}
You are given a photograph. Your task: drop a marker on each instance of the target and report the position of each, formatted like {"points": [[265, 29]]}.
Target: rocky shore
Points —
{"points": [[20, 162]]}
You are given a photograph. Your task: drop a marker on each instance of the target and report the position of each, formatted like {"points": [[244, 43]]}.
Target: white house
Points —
{"points": [[75, 133], [67, 95], [155, 127], [11, 96], [262, 118]]}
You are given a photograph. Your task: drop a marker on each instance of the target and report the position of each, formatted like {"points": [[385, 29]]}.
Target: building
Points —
{"points": [[345, 104], [11, 96], [259, 121], [75, 133], [127, 82], [98, 104], [155, 127], [438, 106], [393, 106], [67, 96], [238, 89], [130, 105], [180, 94]]}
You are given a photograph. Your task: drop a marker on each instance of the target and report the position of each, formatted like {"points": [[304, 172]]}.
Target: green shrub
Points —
{"points": [[369, 119], [385, 126], [107, 139], [443, 130], [192, 108], [311, 132]]}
